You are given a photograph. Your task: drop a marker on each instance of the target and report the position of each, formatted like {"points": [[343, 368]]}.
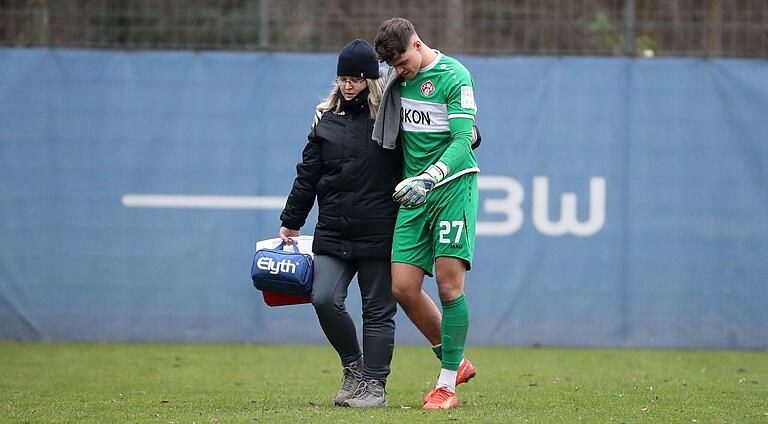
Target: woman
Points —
{"points": [[353, 180]]}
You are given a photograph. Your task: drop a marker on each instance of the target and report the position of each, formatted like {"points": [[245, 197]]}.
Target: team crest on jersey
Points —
{"points": [[427, 88]]}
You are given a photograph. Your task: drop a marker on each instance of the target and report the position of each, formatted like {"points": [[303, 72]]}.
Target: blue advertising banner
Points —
{"points": [[622, 202]]}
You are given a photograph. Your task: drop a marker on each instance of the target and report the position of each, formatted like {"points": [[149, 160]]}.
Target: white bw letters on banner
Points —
{"points": [[510, 206]]}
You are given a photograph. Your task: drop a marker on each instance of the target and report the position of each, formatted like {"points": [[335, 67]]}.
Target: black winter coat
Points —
{"points": [[353, 179]]}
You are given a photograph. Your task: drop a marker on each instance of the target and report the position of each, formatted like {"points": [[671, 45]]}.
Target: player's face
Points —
{"points": [[351, 86], [408, 64]]}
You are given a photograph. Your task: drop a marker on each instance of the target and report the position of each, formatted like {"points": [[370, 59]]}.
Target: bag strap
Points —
{"points": [[294, 244]]}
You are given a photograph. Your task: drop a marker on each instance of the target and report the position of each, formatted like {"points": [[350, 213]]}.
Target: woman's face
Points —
{"points": [[351, 86]]}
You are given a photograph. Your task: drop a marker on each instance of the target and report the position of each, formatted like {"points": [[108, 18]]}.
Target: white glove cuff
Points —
{"points": [[438, 171]]}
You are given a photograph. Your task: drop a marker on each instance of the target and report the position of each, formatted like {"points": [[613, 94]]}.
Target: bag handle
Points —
{"points": [[294, 244]]}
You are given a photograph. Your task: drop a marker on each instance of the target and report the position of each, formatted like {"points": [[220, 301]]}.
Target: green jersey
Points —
{"points": [[438, 109]]}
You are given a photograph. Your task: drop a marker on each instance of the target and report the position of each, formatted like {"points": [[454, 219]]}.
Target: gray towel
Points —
{"points": [[387, 123]]}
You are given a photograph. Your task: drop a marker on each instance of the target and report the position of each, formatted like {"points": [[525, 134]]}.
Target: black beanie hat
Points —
{"points": [[358, 59]]}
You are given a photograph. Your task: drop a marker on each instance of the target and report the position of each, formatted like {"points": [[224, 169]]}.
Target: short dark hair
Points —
{"points": [[393, 38]]}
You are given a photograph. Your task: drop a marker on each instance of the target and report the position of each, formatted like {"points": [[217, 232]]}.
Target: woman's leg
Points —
{"points": [[379, 307], [329, 291]]}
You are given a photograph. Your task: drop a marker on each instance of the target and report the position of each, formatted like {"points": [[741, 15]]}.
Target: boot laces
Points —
{"points": [[350, 378], [366, 389]]}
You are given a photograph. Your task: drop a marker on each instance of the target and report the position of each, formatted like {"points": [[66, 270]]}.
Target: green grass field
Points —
{"points": [[156, 383]]}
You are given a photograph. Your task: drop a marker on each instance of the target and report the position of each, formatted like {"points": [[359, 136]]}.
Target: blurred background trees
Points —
{"points": [[706, 28]]}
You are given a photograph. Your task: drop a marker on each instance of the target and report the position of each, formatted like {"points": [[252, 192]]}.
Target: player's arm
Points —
{"points": [[460, 99], [461, 142], [302, 196]]}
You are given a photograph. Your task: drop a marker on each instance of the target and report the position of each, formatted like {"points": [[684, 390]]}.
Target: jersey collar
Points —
{"points": [[433, 63]]}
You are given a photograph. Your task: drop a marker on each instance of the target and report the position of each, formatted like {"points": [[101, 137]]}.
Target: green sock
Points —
{"points": [[438, 351], [454, 332]]}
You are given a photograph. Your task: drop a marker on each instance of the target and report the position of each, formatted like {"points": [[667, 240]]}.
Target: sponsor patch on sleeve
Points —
{"points": [[467, 98]]}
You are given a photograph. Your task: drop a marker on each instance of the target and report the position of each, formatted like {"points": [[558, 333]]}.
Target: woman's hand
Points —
{"points": [[286, 233]]}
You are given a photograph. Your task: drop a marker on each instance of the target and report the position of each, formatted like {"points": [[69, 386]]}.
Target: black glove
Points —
{"points": [[476, 137]]}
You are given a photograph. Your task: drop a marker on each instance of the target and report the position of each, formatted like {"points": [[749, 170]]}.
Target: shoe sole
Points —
{"points": [[341, 402], [437, 409], [441, 407], [346, 405]]}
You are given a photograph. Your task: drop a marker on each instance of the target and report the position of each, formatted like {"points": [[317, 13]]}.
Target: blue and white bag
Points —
{"points": [[283, 271]]}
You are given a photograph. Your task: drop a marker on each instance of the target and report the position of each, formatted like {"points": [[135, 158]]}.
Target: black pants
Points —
{"points": [[329, 291]]}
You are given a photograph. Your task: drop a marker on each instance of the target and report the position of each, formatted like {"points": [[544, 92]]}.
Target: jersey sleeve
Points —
{"points": [[460, 94], [460, 99]]}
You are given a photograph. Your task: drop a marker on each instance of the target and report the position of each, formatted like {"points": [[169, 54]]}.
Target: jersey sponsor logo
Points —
{"points": [[427, 88], [467, 98], [415, 116], [423, 116]]}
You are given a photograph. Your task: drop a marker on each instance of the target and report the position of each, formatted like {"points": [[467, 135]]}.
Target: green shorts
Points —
{"points": [[443, 226]]}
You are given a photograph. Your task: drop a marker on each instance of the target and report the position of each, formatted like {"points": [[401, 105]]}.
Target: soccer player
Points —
{"points": [[438, 198]]}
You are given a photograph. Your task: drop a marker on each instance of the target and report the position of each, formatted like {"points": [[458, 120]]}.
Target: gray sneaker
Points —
{"points": [[369, 394], [353, 375]]}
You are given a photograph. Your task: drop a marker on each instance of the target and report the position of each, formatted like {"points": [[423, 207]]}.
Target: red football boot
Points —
{"points": [[440, 398], [466, 372]]}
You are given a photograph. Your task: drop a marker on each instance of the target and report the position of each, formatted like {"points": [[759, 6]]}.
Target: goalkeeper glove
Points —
{"points": [[412, 192]]}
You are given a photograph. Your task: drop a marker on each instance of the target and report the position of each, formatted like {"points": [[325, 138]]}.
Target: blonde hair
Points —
{"points": [[333, 101]]}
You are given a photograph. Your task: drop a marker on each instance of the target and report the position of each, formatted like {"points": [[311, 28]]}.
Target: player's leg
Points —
{"points": [[329, 292], [379, 307], [407, 281], [412, 258], [450, 275], [454, 212]]}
